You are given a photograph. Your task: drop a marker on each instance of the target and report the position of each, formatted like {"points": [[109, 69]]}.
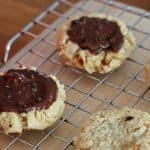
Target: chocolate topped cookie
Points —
{"points": [[25, 90], [96, 43], [28, 96]]}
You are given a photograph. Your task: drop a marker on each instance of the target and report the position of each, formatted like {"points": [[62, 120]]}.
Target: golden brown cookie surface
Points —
{"points": [[29, 100], [147, 73], [125, 129], [106, 55]]}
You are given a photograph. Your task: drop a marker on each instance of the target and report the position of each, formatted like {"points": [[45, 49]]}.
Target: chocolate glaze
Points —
{"points": [[24, 90], [95, 34]]}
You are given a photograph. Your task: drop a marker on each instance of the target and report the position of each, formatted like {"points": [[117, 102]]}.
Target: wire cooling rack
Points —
{"points": [[123, 87]]}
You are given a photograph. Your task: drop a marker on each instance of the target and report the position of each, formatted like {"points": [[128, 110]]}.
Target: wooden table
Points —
{"points": [[17, 13], [14, 15]]}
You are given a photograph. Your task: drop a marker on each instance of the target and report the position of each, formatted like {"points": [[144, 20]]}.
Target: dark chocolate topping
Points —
{"points": [[96, 34], [24, 90]]}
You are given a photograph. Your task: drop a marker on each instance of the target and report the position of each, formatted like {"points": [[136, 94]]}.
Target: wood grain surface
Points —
{"points": [[15, 14], [145, 4]]}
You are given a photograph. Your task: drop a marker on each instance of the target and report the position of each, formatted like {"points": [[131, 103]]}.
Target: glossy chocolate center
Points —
{"points": [[24, 90], [95, 34]]}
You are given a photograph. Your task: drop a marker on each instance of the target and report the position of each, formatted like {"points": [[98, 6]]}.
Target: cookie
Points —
{"points": [[147, 73], [29, 100], [95, 42], [125, 129]]}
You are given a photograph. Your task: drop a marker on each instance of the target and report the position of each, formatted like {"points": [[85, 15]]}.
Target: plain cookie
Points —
{"points": [[125, 129]]}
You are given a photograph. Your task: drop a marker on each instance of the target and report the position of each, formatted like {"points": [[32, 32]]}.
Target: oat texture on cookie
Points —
{"points": [[95, 43], [124, 129], [29, 100]]}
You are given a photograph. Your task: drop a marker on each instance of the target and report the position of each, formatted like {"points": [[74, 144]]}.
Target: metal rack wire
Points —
{"points": [[108, 91]]}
